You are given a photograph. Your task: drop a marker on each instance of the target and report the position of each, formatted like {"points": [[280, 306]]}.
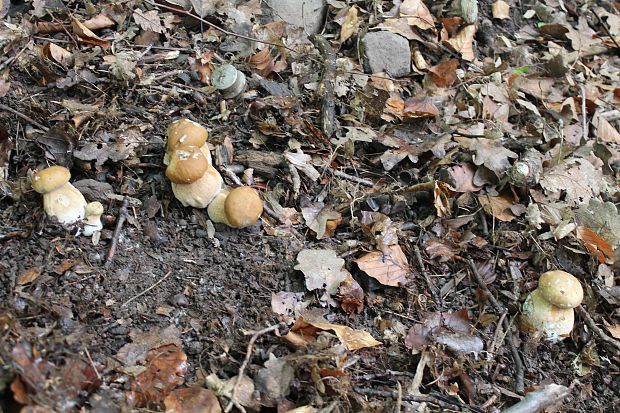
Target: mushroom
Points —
{"points": [[548, 310], [92, 222], [243, 207], [60, 199], [216, 208], [185, 132], [194, 181]]}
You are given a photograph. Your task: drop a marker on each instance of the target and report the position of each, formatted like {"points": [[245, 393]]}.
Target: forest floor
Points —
{"points": [[409, 211]]}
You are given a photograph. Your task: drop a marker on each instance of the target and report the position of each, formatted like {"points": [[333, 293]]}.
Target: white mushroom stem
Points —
{"points": [[66, 203], [545, 319], [92, 223]]}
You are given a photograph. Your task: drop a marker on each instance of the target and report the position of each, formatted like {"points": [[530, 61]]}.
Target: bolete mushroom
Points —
{"points": [[216, 208], [92, 222], [185, 132], [548, 310], [60, 199], [243, 207], [194, 181]]}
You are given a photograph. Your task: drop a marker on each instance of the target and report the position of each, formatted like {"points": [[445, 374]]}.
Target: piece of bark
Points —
{"points": [[540, 399]]}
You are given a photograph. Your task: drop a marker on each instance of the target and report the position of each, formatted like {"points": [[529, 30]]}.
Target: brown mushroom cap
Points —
{"points": [[561, 289], [201, 192], [184, 132], [187, 164], [50, 179], [243, 207], [216, 208]]}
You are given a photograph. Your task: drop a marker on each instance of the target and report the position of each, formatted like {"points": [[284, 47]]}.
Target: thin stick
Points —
{"points": [[327, 83], [597, 330], [246, 361], [352, 178], [519, 380], [412, 398], [216, 27], [427, 278], [122, 216], [606, 30], [24, 117], [147, 290], [584, 119]]}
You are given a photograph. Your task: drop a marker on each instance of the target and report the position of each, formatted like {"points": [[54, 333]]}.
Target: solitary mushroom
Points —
{"points": [[548, 310], [60, 199], [92, 222], [194, 181], [185, 132]]}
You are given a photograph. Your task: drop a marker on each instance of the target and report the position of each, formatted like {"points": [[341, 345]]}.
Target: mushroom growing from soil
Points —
{"points": [[548, 310], [238, 208], [92, 222], [194, 181], [185, 132], [60, 199]]}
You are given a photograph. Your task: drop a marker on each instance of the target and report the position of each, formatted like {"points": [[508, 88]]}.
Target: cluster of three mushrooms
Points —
{"points": [[64, 201], [195, 182]]}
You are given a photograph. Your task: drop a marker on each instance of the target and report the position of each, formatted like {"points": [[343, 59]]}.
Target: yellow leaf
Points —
{"points": [[350, 24]]}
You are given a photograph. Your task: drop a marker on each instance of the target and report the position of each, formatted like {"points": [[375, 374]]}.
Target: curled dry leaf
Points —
{"points": [[321, 219], [462, 43], [288, 305], [389, 267], [444, 73], [349, 25], [462, 178], [449, 329], [29, 275], [417, 14], [86, 35], [497, 206], [312, 321], [351, 296], [58, 54], [500, 10], [417, 108], [443, 251], [596, 245]]}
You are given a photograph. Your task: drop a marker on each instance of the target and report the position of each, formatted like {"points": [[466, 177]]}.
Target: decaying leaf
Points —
{"points": [[596, 245], [450, 329], [192, 399], [497, 206], [312, 321], [389, 267], [323, 269], [576, 179], [443, 251], [288, 305], [136, 352], [463, 42], [29, 275], [500, 10], [444, 73], [351, 296], [274, 380], [417, 14], [350, 24], [318, 216], [491, 154], [602, 217], [86, 35]]}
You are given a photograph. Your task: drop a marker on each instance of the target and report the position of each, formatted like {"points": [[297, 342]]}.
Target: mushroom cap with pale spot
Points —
{"points": [[187, 165], [201, 192], [184, 132], [561, 289], [50, 179]]}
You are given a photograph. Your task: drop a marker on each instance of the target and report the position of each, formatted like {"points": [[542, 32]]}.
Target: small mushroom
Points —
{"points": [[92, 222], [60, 199], [243, 207], [185, 132], [548, 310], [194, 181], [216, 208]]}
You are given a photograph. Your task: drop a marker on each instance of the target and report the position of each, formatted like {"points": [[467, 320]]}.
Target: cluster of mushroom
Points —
{"points": [[65, 202], [548, 310], [195, 182]]}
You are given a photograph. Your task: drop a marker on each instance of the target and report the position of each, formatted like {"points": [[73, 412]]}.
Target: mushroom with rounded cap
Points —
{"points": [[60, 199], [185, 132], [243, 207], [194, 181], [92, 222], [548, 310]]}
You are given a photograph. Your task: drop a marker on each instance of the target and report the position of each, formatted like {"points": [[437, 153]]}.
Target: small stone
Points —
{"points": [[307, 14], [387, 52], [179, 300]]}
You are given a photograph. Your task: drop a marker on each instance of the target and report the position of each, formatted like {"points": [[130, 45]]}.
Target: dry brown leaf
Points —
{"points": [[417, 14], [349, 25], [352, 339], [148, 20], [501, 10], [100, 21], [576, 179], [497, 206], [389, 267], [318, 216], [29, 275], [86, 35], [582, 37], [443, 250], [444, 74], [351, 296], [264, 63], [417, 108], [58, 54], [614, 330], [605, 130], [597, 246], [192, 400], [463, 42], [491, 154], [441, 199], [463, 178], [400, 26], [288, 305]]}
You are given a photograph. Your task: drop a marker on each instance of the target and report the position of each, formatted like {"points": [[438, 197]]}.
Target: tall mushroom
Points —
{"points": [[548, 310], [60, 199], [194, 181], [185, 132]]}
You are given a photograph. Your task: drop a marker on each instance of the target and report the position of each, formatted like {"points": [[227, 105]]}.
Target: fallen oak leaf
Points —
{"points": [[389, 267], [323, 269], [497, 206], [463, 42], [317, 217], [597, 246], [86, 35]]}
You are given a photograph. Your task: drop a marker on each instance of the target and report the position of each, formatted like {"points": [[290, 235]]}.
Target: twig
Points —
{"points": [[606, 30], [412, 398], [24, 117], [352, 178], [327, 84], [540, 399], [584, 119], [122, 216], [147, 290], [518, 363], [427, 278], [216, 27], [597, 330], [231, 175], [246, 361]]}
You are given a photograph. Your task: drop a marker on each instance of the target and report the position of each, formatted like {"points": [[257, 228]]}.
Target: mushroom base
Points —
{"points": [[543, 319], [66, 204]]}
